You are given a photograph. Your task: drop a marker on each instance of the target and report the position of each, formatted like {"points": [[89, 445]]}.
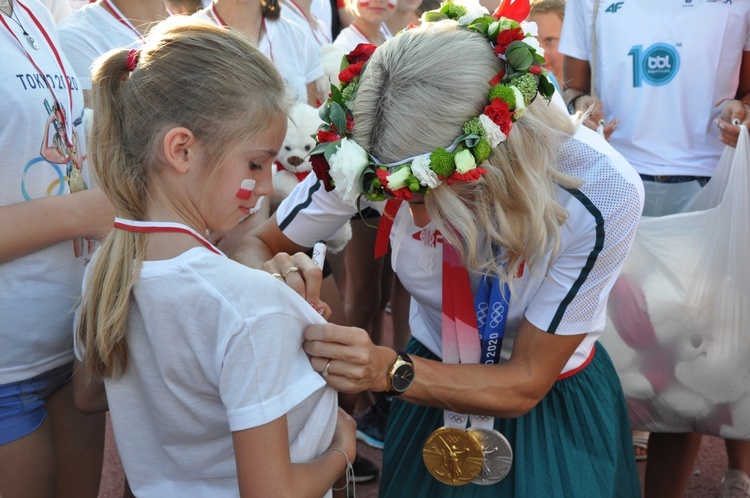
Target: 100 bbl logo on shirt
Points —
{"points": [[656, 66]]}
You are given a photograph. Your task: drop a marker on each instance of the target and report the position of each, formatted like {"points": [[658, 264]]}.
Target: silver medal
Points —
{"points": [[498, 456]]}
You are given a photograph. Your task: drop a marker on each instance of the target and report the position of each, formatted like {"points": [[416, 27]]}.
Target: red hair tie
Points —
{"points": [[132, 61]]}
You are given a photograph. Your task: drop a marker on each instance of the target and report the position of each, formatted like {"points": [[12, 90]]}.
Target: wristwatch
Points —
{"points": [[401, 374]]}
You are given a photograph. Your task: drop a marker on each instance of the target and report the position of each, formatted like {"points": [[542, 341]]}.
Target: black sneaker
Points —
{"points": [[371, 424], [364, 469]]}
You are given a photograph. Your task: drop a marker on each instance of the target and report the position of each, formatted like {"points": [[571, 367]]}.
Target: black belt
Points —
{"points": [[676, 179]]}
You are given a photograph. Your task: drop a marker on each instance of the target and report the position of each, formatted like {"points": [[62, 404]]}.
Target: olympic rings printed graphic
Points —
{"points": [[497, 313]]}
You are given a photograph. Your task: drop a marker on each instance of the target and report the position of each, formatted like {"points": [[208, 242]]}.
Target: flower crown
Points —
{"points": [[347, 169]]}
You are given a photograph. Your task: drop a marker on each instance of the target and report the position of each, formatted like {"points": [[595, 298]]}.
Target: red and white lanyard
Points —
{"points": [[164, 226], [66, 130], [310, 22], [218, 20], [360, 33], [121, 18]]}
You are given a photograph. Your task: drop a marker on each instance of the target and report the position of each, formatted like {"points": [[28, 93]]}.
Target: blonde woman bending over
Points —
{"points": [[209, 389], [509, 228]]}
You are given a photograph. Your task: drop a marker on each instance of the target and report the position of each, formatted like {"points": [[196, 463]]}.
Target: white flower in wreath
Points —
{"points": [[520, 107], [397, 179], [347, 165], [495, 135], [530, 28], [532, 42], [474, 10], [420, 168], [465, 161]]}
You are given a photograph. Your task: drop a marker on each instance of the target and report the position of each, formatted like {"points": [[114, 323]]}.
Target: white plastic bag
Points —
{"points": [[678, 327]]}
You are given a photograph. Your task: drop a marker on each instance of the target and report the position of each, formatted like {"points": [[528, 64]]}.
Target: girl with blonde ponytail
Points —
{"points": [[509, 227], [208, 387]]}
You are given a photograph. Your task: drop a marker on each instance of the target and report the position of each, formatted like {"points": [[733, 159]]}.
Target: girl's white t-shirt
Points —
{"points": [[213, 347]]}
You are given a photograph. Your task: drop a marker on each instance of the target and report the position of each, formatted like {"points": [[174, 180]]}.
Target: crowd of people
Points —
{"points": [[493, 160]]}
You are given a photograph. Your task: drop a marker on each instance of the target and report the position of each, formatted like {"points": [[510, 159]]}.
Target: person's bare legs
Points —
{"points": [[670, 463], [27, 465], [738, 454], [79, 445]]}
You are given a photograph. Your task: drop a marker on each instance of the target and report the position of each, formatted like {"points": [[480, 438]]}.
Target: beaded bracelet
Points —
{"points": [[349, 474]]}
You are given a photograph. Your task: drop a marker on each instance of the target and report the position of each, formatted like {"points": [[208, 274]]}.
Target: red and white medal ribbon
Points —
{"points": [[461, 342], [317, 33], [121, 18], [165, 227]]}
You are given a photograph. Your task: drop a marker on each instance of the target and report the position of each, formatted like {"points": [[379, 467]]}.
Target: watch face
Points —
{"points": [[402, 378]]}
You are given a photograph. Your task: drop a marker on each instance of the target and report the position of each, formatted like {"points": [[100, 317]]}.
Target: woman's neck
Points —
{"points": [[245, 16], [400, 20], [370, 30], [304, 5], [143, 14]]}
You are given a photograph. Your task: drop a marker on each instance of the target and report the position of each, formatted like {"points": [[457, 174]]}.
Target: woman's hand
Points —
{"points": [[356, 364], [734, 113], [583, 103], [305, 280]]}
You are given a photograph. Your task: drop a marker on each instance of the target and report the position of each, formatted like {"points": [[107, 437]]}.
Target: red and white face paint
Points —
{"points": [[246, 189], [391, 4]]}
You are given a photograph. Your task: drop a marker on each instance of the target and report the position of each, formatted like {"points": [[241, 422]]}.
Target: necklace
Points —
{"points": [[14, 17], [164, 226]]}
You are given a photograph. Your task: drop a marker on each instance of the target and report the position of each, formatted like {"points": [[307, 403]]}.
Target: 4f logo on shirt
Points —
{"points": [[614, 7], [655, 66]]}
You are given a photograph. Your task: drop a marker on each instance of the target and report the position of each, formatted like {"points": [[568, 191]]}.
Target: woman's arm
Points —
{"points": [[264, 466], [39, 223], [505, 390], [577, 94]]}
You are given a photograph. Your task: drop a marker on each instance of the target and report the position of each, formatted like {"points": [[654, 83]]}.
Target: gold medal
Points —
{"points": [[498, 456], [453, 457]]}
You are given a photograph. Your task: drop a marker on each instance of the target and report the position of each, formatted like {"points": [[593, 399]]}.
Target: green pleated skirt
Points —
{"points": [[576, 443]]}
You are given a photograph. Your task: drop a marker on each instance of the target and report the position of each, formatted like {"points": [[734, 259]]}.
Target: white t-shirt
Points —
{"points": [[38, 291], [323, 11], [570, 299], [214, 347], [321, 33], [60, 9], [292, 50], [661, 68], [350, 37], [91, 32]]}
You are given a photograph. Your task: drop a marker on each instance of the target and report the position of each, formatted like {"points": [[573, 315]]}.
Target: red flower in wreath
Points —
{"points": [[506, 37], [325, 136], [351, 72], [499, 112], [321, 169], [361, 53], [470, 176]]}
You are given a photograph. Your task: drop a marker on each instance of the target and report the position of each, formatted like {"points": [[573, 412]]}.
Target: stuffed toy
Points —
{"points": [[293, 162]]}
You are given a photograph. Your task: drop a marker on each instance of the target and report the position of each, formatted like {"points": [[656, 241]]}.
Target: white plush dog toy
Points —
{"points": [[293, 161]]}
